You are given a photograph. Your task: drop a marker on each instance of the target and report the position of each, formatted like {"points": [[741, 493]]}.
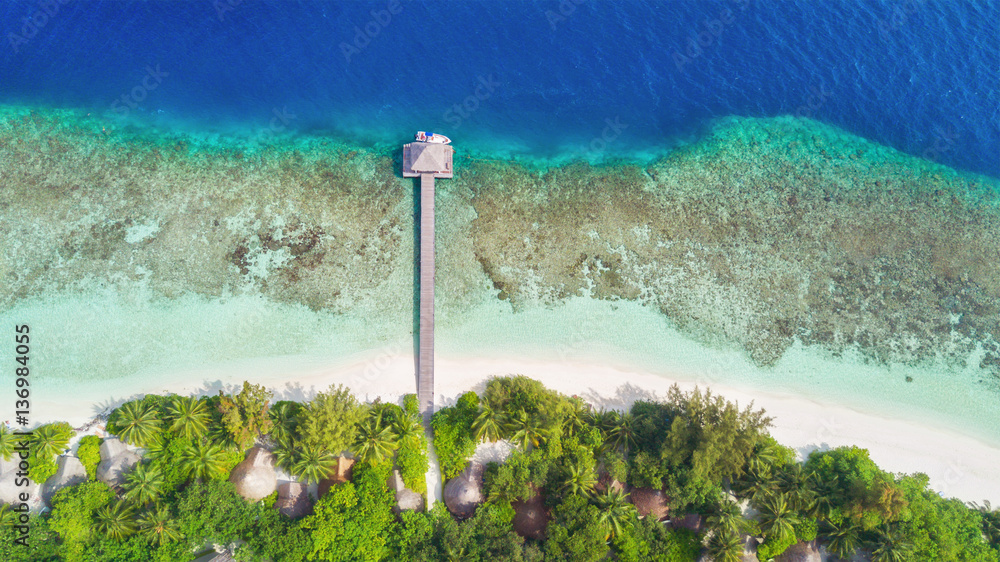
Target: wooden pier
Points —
{"points": [[426, 161]]}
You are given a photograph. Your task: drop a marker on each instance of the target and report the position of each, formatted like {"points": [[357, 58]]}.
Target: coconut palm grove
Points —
{"points": [[688, 477]]}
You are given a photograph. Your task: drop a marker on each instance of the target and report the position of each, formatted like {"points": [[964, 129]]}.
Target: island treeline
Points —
{"points": [[672, 480]]}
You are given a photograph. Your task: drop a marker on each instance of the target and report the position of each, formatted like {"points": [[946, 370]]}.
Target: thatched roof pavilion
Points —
{"points": [[463, 493], [691, 522], [116, 462], [650, 502], [70, 472], [341, 473], [255, 477], [293, 501], [530, 517], [801, 552]]}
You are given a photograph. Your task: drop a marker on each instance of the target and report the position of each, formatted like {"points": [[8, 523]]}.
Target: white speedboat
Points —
{"points": [[436, 138]]}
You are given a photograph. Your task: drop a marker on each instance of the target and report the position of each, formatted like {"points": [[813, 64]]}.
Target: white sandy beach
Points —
{"points": [[958, 465]]}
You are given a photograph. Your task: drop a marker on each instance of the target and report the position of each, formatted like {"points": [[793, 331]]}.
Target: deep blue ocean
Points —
{"points": [[537, 77]]}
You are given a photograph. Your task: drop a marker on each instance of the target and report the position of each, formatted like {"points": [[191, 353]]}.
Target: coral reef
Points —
{"points": [[765, 232]]}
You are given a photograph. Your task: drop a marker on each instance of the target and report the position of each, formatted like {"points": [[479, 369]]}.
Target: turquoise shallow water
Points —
{"points": [[758, 258], [110, 344]]}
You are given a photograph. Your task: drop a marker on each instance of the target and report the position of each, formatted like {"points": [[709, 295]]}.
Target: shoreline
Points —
{"points": [[957, 465]]}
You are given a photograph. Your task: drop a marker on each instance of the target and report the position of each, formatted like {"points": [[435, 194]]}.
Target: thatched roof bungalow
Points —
{"points": [[255, 477], [293, 500], [691, 522], [70, 472], [463, 493], [650, 502], [341, 473], [531, 518], [116, 461]]}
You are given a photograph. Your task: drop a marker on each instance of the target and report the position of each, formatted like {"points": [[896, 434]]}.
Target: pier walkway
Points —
{"points": [[426, 161]]}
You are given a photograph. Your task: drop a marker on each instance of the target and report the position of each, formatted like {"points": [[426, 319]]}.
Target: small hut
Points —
{"points": [[255, 477], [70, 472], [530, 517], [116, 462], [463, 493], [293, 501], [343, 472], [650, 502], [800, 552], [691, 522]]}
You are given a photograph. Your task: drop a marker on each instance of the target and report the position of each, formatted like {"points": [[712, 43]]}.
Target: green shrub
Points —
{"points": [[41, 470], [89, 453], [73, 516], [412, 463], [453, 435], [773, 547], [411, 404], [806, 530]]}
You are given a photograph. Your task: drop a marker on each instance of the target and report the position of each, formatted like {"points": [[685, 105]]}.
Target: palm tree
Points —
{"points": [[138, 423], [144, 484], [487, 425], [605, 420], [7, 443], [158, 526], [764, 456], [408, 430], [725, 547], [891, 546], [203, 460], [622, 435], [728, 519], [115, 521], [843, 540], [825, 499], [375, 440], [580, 480], [189, 416], [991, 520], [313, 464], [286, 455], [526, 431], [616, 512], [284, 421], [50, 440], [777, 519], [576, 419]]}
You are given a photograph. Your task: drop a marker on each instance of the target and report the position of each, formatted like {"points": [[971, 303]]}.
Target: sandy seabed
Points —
{"points": [[957, 465]]}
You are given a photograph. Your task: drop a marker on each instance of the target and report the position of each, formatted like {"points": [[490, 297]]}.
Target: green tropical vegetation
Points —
{"points": [[579, 465]]}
